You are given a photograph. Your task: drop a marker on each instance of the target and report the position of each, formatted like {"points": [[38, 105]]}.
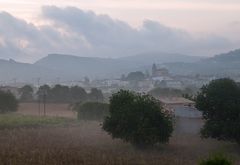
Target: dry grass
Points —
{"points": [[12, 120], [52, 109], [85, 143]]}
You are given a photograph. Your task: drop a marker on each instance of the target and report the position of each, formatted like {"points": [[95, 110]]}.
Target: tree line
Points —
{"points": [[60, 93]]}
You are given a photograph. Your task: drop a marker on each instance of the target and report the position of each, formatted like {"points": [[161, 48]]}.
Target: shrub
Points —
{"points": [[92, 111], [218, 159], [8, 102], [138, 119]]}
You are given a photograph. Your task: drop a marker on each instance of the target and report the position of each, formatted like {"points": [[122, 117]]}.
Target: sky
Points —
{"points": [[30, 30]]}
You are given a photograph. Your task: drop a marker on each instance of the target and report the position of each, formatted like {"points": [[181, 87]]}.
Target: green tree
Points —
{"points": [[78, 94], [43, 89], [96, 95], [26, 93], [8, 102], [138, 119], [220, 103], [59, 93]]}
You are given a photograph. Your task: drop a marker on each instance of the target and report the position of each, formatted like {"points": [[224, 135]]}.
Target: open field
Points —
{"points": [[52, 109], [85, 143], [12, 120]]}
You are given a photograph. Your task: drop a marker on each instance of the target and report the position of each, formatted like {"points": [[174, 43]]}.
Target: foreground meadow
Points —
{"points": [[85, 143], [59, 139]]}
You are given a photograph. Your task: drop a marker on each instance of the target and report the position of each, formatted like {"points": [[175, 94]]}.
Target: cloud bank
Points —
{"points": [[71, 30]]}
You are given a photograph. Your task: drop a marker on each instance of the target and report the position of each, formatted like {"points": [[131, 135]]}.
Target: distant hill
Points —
{"points": [[230, 57], [85, 66], [160, 57], [69, 67], [11, 70], [222, 64], [106, 67]]}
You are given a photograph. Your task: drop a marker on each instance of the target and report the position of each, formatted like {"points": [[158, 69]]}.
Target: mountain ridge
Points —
{"points": [[70, 67]]}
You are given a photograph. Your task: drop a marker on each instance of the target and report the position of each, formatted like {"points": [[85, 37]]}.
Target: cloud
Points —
{"points": [[22, 41], [84, 33], [115, 37]]}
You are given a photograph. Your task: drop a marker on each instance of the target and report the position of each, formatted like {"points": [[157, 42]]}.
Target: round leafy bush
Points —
{"points": [[8, 102], [138, 119]]}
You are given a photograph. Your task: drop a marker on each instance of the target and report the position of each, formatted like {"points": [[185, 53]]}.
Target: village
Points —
{"points": [[172, 100]]}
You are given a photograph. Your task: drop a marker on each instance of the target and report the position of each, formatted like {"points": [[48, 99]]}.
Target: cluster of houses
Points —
{"points": [[160, 77]]}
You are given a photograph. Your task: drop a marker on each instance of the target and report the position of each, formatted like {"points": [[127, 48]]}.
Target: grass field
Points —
{"points": [[85, 143], [20, 121], [52, 109]]}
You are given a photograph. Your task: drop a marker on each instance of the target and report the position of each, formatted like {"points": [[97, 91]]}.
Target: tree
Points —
{"points": [[43, 89], [43, 93], [96, 95], [59, 93], [26, 93], [138, 119], [8, 102], [220, 103], [78, 94]]}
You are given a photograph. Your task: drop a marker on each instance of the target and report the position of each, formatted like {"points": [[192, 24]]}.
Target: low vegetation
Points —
{"points": [[19, 121], [217, 159], [87, 144], [92, 111]]}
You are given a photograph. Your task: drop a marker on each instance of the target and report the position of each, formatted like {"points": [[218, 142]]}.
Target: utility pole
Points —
{"points": [[44, 103], [39, 105], [38, 82]]}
